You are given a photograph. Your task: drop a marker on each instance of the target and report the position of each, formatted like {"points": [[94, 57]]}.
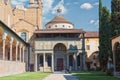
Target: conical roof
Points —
{"points": [[59, 19]]}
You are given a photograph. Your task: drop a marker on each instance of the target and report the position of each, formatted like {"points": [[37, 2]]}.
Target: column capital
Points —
{"points": [[17, 43], [21, 45], [11, 41], [4, 36]]}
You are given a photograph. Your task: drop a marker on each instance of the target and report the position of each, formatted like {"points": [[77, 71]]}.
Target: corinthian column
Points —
{"points": [[4, 38], [23, 53], [20, 51], [11, 49], [16, 51]]}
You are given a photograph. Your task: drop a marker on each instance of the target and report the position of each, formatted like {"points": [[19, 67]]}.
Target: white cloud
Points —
{"points": [[74, 3], [86, 6], [96, 3], [92, 21], [61, 5], [16, 2], [47, 6]]}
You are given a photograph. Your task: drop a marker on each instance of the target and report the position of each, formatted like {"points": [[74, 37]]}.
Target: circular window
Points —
{"points": [[55, 25]]}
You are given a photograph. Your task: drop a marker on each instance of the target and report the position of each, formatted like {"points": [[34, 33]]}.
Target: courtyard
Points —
{"points": [[89, 75]]}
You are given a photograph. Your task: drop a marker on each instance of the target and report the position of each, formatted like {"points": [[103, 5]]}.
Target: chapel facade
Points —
{"points": [[57, 47]]}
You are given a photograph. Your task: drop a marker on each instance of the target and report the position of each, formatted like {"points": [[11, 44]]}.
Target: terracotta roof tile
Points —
{"points": [[92, 34], [59, 19], [60, 31]]}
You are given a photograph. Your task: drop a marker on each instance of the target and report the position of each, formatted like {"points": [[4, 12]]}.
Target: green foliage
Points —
{"points": [[104, 37], [115, 17]]}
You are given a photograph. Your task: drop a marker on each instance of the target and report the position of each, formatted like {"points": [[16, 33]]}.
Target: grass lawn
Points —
{"points": [[26, 76], [93, 75]]}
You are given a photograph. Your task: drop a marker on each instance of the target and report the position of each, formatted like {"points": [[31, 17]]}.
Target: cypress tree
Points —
{"points": [[115, 17], [104, 36]]}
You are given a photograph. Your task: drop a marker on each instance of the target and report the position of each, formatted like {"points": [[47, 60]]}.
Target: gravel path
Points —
{"points": [[60, 76]]}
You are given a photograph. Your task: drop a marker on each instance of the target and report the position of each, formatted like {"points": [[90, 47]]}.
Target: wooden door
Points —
{"points": [[60, 64]]}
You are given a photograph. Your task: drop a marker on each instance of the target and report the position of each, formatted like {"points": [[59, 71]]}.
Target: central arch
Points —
{"points": [[60, 57]]}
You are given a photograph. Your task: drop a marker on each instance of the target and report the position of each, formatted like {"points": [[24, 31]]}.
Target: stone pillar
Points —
{"points": [[52, 62], [76, 61], [23, 53], [68, 61], [20, 52], [44, 62], [83, 52], [11, 49], [16, 51], [4, 48], [35, 62]]}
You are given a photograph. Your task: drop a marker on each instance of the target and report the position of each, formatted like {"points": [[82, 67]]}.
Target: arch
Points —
{"points": [[117, 56], [60, 56], [7, 46], [94, 60], [8, 39], [60, 47], [1, 33], [95, 54]]}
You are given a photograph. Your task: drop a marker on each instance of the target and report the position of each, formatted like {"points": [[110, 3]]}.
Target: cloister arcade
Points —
{"points": [[12, 49]]}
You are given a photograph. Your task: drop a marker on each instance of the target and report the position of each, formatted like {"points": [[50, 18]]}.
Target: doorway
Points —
{"points": [[60, 64]]}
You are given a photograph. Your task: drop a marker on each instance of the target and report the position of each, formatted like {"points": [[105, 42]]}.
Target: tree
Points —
{"points": [[104, 36], [115, 17]]}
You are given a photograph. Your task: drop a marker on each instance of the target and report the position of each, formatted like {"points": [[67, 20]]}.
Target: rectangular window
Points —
{"points": [[87, 47]]}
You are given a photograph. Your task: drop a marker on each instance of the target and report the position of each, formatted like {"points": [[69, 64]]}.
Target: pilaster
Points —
{"points": [[68, 61], [44, 62], [23, 53], [52, 62], [35, 62]]}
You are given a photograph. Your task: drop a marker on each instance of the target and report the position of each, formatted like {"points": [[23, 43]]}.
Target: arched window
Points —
{"points": [[55, 25], [23, 36]]}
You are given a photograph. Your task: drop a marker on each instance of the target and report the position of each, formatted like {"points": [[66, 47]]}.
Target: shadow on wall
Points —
{"points": [[73, 49], [93, 61]]}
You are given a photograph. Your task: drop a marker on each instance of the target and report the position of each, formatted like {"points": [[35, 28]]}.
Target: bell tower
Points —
{"points": [[35, 13], [35, 3]]}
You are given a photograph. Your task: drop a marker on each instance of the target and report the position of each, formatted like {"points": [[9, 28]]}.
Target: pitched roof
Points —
{"points": [[92, 34], [59, 19]]}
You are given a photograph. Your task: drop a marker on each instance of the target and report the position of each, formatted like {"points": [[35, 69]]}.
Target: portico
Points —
{"points": [[13, 50], [59, 53]]}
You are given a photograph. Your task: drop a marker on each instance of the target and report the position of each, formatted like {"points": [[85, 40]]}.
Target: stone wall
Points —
{"points": [[11, 67]]}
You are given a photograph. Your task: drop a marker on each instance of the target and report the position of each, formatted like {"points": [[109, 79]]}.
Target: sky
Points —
{"points": [[83, 14]]}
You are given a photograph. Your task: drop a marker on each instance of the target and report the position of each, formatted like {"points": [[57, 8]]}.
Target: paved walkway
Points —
{"points": [[60, 76]]}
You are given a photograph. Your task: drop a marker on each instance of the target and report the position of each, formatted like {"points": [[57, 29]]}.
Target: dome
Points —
{"points": [[57, 21]]}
